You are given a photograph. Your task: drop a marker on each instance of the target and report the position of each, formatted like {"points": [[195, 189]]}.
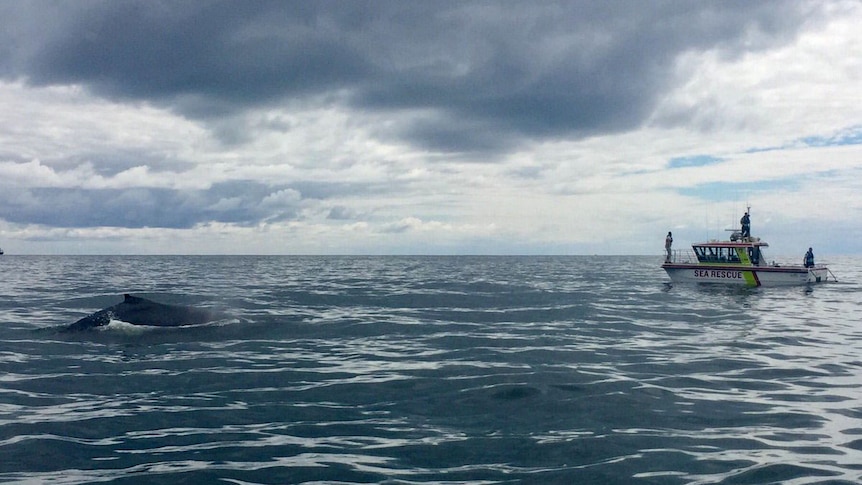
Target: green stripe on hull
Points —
{"points": [[750, 278]]}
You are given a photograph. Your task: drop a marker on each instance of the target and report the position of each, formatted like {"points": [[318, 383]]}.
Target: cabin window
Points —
{"points": [[716, 255], [755, 255], [732, 255]]}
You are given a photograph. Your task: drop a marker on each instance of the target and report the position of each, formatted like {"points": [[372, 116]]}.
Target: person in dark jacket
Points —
{"points": [[809, 259], [746, 225]]}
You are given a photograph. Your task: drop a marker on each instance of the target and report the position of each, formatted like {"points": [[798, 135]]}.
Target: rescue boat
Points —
{"points": [[739, 261]]}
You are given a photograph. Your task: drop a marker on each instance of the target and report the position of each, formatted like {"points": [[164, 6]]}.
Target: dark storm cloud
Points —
{"points": [[211, 56], [473, 75]]}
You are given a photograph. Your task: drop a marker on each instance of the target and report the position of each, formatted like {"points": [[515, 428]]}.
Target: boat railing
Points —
{"points": [[682, 256]]}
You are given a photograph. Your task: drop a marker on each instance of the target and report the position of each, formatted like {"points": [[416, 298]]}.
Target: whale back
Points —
{"points": [[141, 311]]}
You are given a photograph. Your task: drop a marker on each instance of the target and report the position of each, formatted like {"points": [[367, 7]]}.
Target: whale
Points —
{"points": [[141, 311]]}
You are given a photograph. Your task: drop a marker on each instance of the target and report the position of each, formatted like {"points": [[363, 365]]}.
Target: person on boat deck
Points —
{"points": [[668, 242], [809, 259], [746, 225]]}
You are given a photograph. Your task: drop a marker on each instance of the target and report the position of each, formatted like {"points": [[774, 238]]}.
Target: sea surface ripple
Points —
{"points": [[427, 370]]}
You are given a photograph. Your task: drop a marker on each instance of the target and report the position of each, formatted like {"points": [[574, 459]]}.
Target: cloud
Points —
{"points": [[406, 224], [242, 203], [35, 174], [470, 75], [341, 213]]}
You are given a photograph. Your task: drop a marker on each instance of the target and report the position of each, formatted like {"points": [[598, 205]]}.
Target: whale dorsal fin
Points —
{"points": [[127, 298]]}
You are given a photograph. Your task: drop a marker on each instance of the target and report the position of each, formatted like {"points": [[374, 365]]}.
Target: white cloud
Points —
{"points": [[771, 98], [283, 198], [65, 122]]}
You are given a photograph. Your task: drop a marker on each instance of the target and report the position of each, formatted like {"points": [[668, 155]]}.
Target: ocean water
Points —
{"points": [[427, 370]]}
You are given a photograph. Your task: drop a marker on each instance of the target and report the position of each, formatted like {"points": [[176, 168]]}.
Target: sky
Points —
{"points": [[411, 127]]}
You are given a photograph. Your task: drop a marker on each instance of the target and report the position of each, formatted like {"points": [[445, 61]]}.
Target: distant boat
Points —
{"points": [[739, 261], [1, 251]]}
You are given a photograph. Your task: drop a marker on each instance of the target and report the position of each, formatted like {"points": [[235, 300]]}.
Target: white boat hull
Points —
{"points": [[746, 275]]}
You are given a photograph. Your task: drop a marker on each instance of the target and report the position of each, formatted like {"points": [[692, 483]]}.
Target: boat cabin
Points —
{"points": [[747, 253]]}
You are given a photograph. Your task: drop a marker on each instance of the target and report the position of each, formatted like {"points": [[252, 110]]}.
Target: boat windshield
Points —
{"points": [[713, 254], [709, 254]]}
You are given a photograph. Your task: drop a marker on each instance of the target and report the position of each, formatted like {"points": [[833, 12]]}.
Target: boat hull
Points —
{"points": [[745, 275]]}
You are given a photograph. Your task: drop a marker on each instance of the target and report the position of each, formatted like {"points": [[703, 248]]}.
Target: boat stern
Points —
{"points": [[818, 274]]}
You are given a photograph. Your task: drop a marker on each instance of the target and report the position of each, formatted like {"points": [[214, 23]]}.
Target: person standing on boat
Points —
{"points": [[746, 225], [809, 259], [668, 242]]}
